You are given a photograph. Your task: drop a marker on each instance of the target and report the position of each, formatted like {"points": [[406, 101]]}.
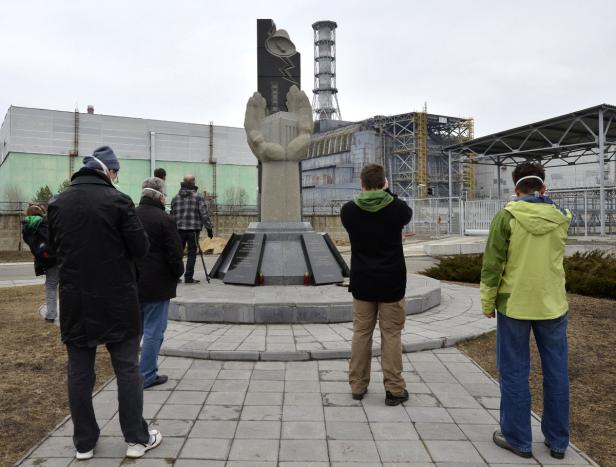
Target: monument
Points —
{"points": [[280, 249]]}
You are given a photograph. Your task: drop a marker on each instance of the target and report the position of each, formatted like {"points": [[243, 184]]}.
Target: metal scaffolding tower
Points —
{"points": [[325, 101], [414, 161], [422, 154], [469, 167]]}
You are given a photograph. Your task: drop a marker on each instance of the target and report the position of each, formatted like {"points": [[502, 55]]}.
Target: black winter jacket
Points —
{"points": [[378, 270], [160, 269], [97, 236], [37, 240]]}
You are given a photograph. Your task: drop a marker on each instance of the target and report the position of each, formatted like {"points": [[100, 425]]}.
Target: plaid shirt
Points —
{"points": [[189, 210]]}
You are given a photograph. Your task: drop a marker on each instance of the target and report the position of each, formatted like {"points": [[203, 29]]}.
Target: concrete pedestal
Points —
{"points": [[280, 253]]}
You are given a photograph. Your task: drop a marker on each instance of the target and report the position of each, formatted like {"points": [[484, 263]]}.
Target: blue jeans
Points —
{"points": [[513, 361], [154, 319]]}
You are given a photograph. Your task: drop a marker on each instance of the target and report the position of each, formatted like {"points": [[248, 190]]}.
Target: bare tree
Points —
{"points": [[14, 197], [235, 198]]}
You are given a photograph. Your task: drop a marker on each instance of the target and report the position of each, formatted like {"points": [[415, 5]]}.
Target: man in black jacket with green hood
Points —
{"points": [[374, 222]]}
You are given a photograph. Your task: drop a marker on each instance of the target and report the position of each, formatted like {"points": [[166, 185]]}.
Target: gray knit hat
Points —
{"points": [[104, 154]]}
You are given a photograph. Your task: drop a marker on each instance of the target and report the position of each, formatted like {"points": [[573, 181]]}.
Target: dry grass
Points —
{"points": [[592, 372], [15, 257], [33, 368]]}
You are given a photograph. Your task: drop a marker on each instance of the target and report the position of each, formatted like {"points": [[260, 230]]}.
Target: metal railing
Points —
{"points": [[431, 216]]}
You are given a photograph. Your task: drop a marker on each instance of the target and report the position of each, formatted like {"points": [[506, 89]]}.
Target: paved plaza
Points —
{"points": [[300, 414], [458, 317]]}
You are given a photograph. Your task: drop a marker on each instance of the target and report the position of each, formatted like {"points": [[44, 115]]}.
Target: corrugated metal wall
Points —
{"points": [[36, 144], [52, 132]]}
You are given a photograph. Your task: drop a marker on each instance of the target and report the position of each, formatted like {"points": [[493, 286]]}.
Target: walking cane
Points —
{"points": [[207, 277]]}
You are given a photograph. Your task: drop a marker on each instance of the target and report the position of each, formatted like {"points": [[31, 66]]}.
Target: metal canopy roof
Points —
{"points": [[558, 141]]}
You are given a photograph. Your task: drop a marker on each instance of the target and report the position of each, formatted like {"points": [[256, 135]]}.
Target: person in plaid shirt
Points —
{"points": [[190, 212]]}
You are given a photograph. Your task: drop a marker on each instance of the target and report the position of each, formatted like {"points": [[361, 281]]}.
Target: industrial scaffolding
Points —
{"points": [[413, 154]]}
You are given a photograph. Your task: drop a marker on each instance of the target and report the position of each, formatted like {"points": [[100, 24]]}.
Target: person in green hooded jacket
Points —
{"points": [[523, 285], [374, 221], [35, 233]]}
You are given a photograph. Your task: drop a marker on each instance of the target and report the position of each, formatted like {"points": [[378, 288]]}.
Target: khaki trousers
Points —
{"points": [[391, 322]]}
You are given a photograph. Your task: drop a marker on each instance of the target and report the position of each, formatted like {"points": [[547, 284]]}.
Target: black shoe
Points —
{"points": [[554, 454], [359, 396], [191, 281], [160, 379], [49, 320], [501, 442], [391, 399]]}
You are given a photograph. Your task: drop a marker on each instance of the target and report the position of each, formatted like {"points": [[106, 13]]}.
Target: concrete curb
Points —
{"points": [[321, 354]]}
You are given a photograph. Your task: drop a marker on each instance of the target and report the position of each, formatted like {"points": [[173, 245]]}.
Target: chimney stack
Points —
{"points": [[90, 109]]}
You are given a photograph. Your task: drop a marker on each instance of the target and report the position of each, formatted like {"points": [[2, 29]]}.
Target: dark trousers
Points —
{"points": [[81, 378], [190, 238]]}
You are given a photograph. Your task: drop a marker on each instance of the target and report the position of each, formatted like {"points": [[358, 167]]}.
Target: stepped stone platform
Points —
{"points": [[457, 317], [217, 302]]}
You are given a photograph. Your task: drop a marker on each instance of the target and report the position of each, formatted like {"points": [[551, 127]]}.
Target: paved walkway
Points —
{"points": [[458, 317], [300, 414]]}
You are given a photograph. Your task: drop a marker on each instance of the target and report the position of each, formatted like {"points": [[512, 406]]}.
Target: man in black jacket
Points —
{"points": [[159, 272], [374, 222], [97, 236]]}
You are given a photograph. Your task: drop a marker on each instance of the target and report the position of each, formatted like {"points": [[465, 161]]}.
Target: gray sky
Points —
{"points": [[504, 63]]}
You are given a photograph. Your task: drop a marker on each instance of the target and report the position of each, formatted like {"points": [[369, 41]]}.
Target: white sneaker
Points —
{"points": [[83, 456], [138, 450]]}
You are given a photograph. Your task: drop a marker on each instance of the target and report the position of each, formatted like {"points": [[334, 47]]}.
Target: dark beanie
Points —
{"points": [[104, 154]]}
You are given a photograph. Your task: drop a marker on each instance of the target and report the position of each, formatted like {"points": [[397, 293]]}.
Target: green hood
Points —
{"points": [[537, 218], [32, 222], [373, 201]]}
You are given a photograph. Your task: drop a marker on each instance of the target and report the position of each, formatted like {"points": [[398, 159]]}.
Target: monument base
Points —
{"points": [[280, 253]]}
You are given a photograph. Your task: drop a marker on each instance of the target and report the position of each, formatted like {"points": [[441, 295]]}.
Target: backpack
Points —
{"points": [[38, 242]]}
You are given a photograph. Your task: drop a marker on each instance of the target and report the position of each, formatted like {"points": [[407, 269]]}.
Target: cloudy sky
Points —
{"points": [[504, 63]]}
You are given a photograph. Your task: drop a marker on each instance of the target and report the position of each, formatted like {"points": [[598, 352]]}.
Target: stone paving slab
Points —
{"points": [[217, 302], [458, 317], [301, 414]]}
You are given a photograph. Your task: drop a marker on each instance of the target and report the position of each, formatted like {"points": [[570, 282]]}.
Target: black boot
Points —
{"points": [[391, 399], [555, 454], [501, 442]]}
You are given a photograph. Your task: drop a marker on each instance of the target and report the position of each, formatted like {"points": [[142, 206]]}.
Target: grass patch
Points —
{"points": [[592, 274], [33, 369], [592, 364]]}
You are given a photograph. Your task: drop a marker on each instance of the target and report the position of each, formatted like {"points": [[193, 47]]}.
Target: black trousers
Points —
{"points": [[190, 238], [81, 378]]}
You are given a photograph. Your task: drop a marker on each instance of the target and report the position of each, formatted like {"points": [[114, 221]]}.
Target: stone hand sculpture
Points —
{"points": [[299, 110], [280, 141]]}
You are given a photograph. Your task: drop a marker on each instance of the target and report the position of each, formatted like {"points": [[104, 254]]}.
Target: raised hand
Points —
{"points": [[299, 107], [255, 114]]}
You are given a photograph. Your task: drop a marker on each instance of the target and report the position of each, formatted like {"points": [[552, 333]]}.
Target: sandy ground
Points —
{"points": [[592, 372]]}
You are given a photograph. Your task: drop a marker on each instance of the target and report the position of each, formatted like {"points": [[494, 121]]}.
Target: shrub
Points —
{"points": [[592, 274], [463, 268]]}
